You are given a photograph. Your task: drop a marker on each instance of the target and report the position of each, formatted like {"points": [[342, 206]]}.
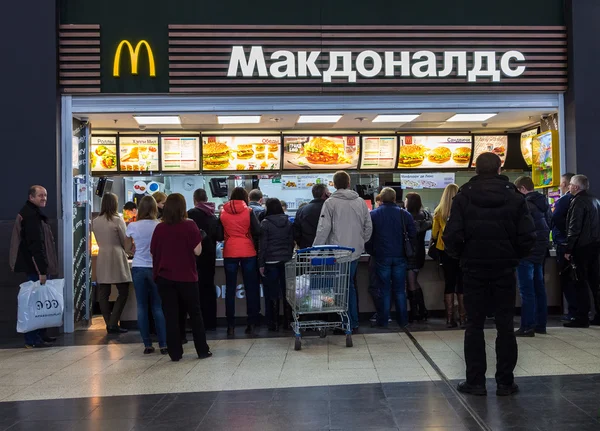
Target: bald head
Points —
{"points": [[38, 196]]}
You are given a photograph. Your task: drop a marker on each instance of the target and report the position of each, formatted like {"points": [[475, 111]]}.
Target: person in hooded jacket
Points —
{"points": [[345, 221], [489, 230], [203, 214], [240, 230], [530, 272], [276, 248]]}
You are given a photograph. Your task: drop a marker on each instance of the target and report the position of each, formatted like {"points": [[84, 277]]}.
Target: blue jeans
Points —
{"points": [[146, 292], [352, 297], [34, 337], [251, 285], [391, 272], [534, 304]]}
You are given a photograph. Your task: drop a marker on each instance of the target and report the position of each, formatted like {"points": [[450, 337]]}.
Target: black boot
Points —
{"points": [[423, 313], [413, 313], [273, 324]]}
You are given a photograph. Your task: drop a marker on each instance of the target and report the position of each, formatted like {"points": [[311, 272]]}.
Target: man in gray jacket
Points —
{"points": [[345, 221]]}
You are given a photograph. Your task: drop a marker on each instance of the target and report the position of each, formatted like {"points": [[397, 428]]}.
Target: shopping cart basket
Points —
{"points": [[317, 282]]}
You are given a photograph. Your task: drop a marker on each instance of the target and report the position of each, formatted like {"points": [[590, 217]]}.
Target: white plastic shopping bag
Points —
{"points": [[40, 306]]}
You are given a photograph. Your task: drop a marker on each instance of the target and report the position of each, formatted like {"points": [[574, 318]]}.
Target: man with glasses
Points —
{"points": [[583, 249]]}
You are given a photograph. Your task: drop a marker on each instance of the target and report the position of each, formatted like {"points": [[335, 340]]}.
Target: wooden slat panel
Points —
{"points": [[86, 50], [81, 90], [80, 42], [227, 50], [339, 89], [79, 58], [74, 35], [64, 74], [325, 42], [369, 27], [79, 27], [80, 82], [73, 66]]}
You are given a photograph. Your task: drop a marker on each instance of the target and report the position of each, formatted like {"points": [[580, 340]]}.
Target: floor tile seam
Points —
{"points": [[472, 412], [572, 403]]}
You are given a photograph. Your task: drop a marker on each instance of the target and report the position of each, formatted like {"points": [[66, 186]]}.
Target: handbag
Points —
{"points": [[409, 248], [40, 306], [433, 251]]}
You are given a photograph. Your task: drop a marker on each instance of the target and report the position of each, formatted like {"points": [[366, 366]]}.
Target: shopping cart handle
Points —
{"points": [[325, 247]]}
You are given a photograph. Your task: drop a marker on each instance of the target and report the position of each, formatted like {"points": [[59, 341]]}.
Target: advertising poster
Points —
{"points": [[103, 154], [180, 154], [526, 138], [435, 152], [437, 180], [545, 159], [241, 153], [320, 152], [496, 144], [138, 154], [305, 182], [378, 152]]}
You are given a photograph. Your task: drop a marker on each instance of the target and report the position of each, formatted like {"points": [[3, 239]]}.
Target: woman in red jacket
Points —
{"points": [[240, 233]]}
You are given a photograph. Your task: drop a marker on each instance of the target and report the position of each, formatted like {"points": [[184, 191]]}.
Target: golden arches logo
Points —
{"points": [[134, 55]]}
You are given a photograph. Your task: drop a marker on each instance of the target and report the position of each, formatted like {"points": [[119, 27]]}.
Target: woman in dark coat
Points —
{"points": [[423, 222]]}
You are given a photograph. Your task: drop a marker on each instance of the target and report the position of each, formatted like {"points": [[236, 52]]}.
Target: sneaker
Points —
{"points": [[164, 351], [525, 332], [467, 388], [576, 324], [148, 350], [373, 318], [567, 318], [41, 345], [505, 390]]}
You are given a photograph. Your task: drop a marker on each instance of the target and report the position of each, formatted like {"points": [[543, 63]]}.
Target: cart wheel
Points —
{"points": [[322, 333], [298, 344], [349, 340]]}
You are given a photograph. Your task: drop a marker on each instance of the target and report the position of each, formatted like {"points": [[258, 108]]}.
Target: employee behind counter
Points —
{"points": [[305, 227]]}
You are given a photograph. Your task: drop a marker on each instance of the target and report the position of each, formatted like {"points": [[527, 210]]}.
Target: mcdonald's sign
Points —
{"points": [[134, 55]]}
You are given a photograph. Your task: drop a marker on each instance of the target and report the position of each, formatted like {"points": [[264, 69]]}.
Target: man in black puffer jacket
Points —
{"points": [[490, 230], [583, 246], [534, 303]]}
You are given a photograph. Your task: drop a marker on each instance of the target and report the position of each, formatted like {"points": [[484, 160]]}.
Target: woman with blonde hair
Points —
{"points": [[450, 266], [111, 265], [160, 199]]}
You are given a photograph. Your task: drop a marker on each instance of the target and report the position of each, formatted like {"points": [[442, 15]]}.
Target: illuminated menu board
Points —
{"points": [[545, 161], [103, 154], [378, 152], [180, 154], [320, 152], [241, 153], [496, 144], [435, 152], [526, 151], [138, 154]]}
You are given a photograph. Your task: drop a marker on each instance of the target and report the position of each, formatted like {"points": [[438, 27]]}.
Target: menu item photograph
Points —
{"points": [[378, 152], [434, 152], [496, 144], [180, 154], [103, 154], [526, 139], [241, 153], [138, 154], [321, 152], [545, 161]]}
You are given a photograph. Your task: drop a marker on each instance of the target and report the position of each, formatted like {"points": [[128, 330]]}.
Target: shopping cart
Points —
{"points": [[317, 282]]}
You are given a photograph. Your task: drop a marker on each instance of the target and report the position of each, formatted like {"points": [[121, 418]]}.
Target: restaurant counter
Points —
{"points": [[430, 278]]}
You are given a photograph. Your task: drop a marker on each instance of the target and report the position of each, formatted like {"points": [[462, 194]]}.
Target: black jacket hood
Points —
{"points": [[488, 191], [279, 220], [539, 200]]}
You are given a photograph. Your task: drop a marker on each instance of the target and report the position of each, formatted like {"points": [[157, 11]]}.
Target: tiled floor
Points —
{"points": [[383, 382]]}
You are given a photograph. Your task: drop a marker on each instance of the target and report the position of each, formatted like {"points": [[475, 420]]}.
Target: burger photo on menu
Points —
{"points": [[215, 156], [321, 152], [244, 151], [434, 152], [496, 144], [411, 156]]}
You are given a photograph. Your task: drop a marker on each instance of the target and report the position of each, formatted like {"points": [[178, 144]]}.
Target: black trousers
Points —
{"points": [[176, 294], [453, 277], [482, 289], [208, 296], [587, 260], [112, 318]]}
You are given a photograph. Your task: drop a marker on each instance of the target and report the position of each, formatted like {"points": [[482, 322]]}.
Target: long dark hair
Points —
{"points": [[109, 206], [273, 206], [413, 203], [239, 194], [175, 209]]}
